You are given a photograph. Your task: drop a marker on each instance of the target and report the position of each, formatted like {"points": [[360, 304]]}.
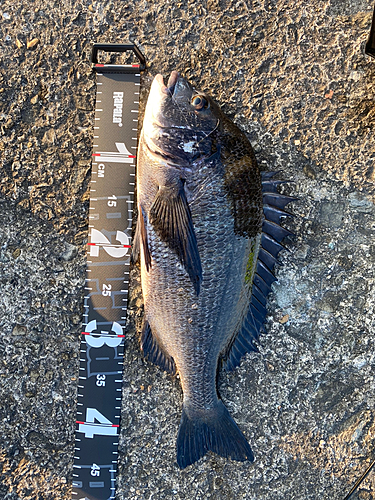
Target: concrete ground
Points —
{"points": [[294, 77]]}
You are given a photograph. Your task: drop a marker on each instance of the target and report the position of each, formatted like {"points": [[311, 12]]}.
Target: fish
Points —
{"points": [[208, 236]]}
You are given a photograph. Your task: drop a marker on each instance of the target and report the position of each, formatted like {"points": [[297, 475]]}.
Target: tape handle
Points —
{"points": [[117, 47]]}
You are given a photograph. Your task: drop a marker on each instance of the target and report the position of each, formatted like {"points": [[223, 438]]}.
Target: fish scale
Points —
{"points": [[176, 313]]}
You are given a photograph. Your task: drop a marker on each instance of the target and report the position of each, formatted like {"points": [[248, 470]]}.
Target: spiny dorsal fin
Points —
{"points": [[272, 235]]}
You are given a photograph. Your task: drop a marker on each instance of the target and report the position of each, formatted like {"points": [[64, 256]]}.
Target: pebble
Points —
{"points": [[16, 253], [32, 43], [19, 330], [284, 319]]}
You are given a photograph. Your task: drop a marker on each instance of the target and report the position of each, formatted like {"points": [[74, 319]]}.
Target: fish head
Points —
{"points": [[180, 122]]}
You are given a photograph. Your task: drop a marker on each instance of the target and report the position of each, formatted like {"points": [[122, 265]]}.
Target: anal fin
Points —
{"points": [[153, 352]]}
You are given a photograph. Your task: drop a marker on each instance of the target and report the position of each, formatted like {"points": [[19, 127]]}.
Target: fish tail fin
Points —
{"points": [[213, 430]]}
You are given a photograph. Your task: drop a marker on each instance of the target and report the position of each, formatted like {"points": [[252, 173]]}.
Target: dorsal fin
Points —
{"points": [[270, 246]]}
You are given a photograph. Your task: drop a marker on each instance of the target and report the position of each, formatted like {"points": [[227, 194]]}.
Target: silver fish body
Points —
{"points": [[199, 231]]}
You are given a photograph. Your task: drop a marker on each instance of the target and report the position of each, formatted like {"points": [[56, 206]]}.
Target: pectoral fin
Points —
{"points": [[171, 218]]}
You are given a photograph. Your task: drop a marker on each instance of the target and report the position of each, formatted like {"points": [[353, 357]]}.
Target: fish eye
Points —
{"points": [[199, 102]]}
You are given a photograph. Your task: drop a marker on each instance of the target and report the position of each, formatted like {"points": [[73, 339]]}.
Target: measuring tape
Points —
{"points": [[107, 281]]}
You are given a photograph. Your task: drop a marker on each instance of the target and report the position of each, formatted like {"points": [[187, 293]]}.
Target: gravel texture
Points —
{"points": [[294, 77]]}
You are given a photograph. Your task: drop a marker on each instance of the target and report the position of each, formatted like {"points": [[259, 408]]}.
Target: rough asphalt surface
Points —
{"points": [[293, 76]]}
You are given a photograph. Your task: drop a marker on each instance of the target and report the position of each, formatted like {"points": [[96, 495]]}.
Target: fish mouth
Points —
{"points": [[165, 113], [162, 96], [171, 85]]}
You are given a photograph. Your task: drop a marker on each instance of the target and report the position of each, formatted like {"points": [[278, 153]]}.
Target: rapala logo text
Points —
{"points": [[117, 107]]}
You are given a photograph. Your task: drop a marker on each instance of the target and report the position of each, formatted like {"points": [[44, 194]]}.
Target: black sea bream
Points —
{"points": [[208, 238]]}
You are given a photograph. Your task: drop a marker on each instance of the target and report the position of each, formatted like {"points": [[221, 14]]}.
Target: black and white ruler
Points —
{"points": [[106, 290]]}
